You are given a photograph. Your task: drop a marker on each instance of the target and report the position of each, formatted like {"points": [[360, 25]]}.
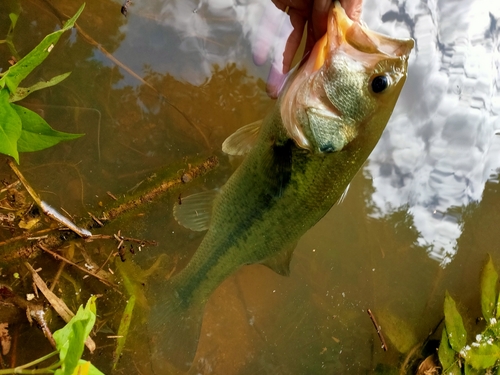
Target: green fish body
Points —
{"points": [[299, 163]]}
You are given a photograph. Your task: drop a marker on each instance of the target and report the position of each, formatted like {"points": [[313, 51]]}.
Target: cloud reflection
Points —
{"points": [[438, 150], [204, 34], [440, 147]]}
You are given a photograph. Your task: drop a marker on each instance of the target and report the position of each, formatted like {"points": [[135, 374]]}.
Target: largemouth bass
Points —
{"points": [[328, 118]]}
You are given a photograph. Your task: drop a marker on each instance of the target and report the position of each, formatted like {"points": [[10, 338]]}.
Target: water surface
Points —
{"points": [[417, 220]]}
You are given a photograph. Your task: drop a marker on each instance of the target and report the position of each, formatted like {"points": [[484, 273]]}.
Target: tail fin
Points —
{"points": [[174, 329]]}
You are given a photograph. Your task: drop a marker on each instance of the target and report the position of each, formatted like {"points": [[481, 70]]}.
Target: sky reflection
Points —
{"points": [[440, 146]]}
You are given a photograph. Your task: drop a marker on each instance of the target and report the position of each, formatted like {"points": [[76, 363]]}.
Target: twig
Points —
{"points": [[11, 186], [378, 328], [121, 239], [57, 276], [26, 236], [60, 257], [46, 208], [111, 195], [34, 311], [25, 183], [96, 219], [106, 261], [53, 214], [58, 304]]}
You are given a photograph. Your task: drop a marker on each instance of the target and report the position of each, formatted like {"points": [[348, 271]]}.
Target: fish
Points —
{"points": [[298, 162]]}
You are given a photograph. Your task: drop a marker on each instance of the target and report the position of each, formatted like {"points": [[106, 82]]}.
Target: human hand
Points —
{"points": [[315, 13]]}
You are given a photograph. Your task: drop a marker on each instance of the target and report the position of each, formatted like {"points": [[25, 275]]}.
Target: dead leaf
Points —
{"points": [[5, 338]]}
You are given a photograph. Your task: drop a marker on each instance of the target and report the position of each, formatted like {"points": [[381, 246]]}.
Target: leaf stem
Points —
{"points": [[22, 369]]}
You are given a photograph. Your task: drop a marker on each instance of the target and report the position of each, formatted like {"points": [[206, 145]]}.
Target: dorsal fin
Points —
{"points": [[242, 140], [194, 211], [280, 262]]}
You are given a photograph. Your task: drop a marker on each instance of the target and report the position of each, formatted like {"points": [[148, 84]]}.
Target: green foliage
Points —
{"points": [[447, 356], [22, 130], [489, 281], [70, 341], [36, 134], [455, 355], [457, 336]]}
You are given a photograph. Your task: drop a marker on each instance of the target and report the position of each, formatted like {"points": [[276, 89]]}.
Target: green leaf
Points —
{"points": [[23, 67], [23, 92], [483, 356], [457, 335], [71, 338], [489, 280], [36, 134], [469, 370], [10, 127], [447, 356], [123, 330], [13, 20], [85, 368], [92, 370]]}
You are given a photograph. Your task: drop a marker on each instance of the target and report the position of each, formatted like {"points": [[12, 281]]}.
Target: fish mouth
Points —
{"points": [[367, 53], [356, 38]]}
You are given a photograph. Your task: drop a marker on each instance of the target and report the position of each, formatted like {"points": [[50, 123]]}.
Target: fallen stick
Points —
{"points": [[378, 328], [58, 304], [60, 257], [46, 208]]}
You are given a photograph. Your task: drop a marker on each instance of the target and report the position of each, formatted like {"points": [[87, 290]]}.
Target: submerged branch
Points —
{"points": [[162, 188], [122, 206]]}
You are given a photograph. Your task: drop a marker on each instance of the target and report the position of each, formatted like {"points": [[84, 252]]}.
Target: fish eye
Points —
{"points": [[379, 84]]}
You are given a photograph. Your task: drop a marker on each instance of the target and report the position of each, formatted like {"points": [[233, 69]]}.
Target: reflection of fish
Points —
{"points": [[328, 119]]}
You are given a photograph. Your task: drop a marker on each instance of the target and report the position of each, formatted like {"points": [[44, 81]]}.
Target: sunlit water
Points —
{"points": [[419, 219]]}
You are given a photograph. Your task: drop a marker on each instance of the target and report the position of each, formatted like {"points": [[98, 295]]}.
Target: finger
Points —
{"points": [[319, 17], [293, 42], [310, 40], [352, 8]]}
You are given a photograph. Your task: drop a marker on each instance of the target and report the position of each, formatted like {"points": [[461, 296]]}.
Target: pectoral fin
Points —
{"points": [[242, 141], [280, 262], [195, 210]]}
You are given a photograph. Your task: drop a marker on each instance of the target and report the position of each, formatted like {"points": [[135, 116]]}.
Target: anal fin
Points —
{"points": [[280, 262]]}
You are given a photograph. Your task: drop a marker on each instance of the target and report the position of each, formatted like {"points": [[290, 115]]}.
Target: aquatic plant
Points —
{"points": [[22, 130], [69, 346], [483, 354]]}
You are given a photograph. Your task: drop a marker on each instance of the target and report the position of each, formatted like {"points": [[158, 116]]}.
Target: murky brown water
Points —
{"points": [[182, 107]]}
